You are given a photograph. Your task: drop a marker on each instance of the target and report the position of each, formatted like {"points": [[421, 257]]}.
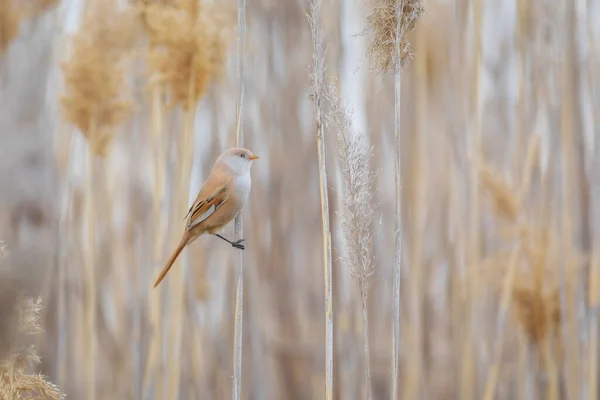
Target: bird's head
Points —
{"points": [[238, 160]]}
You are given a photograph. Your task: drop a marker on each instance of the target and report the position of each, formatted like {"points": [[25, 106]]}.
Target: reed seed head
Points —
{"points": [[358, 209], [538, 313], [504, 201], [189, 49], [15, 382], [96, 98], [10, 18], [383, 23]]}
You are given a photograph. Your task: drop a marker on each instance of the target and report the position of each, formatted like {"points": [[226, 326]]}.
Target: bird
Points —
{"points": [[219, 200]]}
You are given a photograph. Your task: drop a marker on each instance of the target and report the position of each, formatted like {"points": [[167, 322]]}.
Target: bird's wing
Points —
{"points": [[205, 207]]}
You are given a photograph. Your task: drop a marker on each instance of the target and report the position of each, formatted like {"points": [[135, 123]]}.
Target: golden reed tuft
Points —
{"points": [[503, 198], [15, 382], [383, 23], [536, 308], [189, 41], [96, 98], [537, 312], [10, 18]]}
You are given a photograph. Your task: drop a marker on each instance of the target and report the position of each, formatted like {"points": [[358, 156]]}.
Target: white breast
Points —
{"points": [[241, 186]]}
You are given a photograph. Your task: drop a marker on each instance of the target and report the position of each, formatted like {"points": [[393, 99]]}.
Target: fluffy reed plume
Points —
{"points": [[13, 12], [388, 20], [537, 309], [15, 382], [357, 216], [318, 93], [190, 39], [502, 196], [96, 99], [10, 19], [537, 312]]}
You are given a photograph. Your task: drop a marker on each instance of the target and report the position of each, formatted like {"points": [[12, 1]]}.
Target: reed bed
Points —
{"points": [[424, 229]]}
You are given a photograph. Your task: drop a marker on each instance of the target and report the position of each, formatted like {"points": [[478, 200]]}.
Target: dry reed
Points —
{"points": [[189, 41], [318, 92], [10, 18], [15, 382], [390, 21], [96, 101], [238, 224], [358, 211]]}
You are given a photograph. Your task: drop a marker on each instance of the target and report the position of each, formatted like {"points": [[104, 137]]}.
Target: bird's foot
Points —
{"points": [[238, 244]]}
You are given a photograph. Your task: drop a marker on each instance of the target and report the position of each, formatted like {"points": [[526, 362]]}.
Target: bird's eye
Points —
{"points": [[243, 155]]}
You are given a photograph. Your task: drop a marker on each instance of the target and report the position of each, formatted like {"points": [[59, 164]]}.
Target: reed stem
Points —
{"points": [[397, 267], [238, 223], [155, 301], [90, 256]]}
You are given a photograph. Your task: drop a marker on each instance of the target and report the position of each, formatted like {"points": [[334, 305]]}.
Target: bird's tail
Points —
{"points": [[184, 241]]}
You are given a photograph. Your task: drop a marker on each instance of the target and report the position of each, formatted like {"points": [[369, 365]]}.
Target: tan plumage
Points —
{"points": [[219, 200]]}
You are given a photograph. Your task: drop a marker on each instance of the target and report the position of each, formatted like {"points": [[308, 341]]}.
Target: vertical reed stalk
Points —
{"points": [[90, 257], [594, 272], [397, 268], [468, 367], [490, 387], [318, 98], [567, 280], [155, 301], [414, 383], [186, 153], [238, 224], [551, 370]]}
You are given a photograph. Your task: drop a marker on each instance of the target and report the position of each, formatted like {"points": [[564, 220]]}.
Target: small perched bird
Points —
{"points": [[219, 200]]}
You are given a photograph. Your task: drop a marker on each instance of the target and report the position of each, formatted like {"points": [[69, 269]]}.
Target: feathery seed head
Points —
{"points": [[14, 381], [385, 27], [190, 41], [537, 312], [504, 201], [358, 210], [10, 19], [96, 99]]}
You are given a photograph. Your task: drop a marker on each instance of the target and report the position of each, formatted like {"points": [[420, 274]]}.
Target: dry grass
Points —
{"points": [[10, 17], [483, 246], [383, 24], [15, 382], [503, 199], [96, 99], [19, 318], [190, 39]]}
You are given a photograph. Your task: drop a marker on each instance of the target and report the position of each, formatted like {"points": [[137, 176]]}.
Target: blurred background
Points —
{"points": [[112, 114]]}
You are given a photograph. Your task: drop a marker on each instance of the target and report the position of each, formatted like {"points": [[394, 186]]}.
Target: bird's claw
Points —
{"points": [[238, 244]]}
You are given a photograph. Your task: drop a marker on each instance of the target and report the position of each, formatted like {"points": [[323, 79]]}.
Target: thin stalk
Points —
{"points": [[414, 382], [490, 387], [468, 367], [186, 152], [365, 332], [397, 267], [65, 230], [318, 99], [238, 224], [90, 256], [594, 271], [551, 370], [567, 280], [155, 301]]}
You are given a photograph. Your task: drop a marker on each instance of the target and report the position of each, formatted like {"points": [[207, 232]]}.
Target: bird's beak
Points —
{"points": [[253, 157]]}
